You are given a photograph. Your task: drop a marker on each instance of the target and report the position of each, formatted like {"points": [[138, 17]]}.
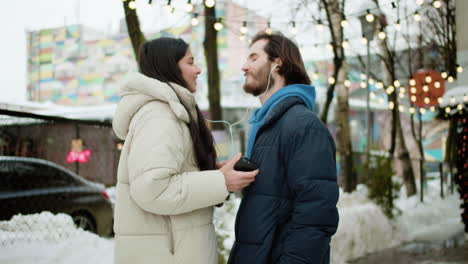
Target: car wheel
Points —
{"points": [[84, 221]]}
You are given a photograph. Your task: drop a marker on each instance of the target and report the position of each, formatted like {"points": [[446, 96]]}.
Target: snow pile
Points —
{"points": [[363, 228], [48, 238], [431, 219]]}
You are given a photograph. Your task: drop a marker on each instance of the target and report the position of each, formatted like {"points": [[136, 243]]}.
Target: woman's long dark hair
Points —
{"points": [[158, 59]]}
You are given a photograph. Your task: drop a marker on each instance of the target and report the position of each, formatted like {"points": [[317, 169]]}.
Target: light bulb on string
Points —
{"points": [[437, 84], [379, 85], [402, 90], [132, 4], [347, 83], [244, 28], [401, 108], [397, 83], [398, 25], [440, 100], [417, 17], [402, 95], [319, 25], [210, 3], [195, 20], [432, 108], [363, 85], [371, 81], [218, 25], [426, 88], [412, 110], [293, 28], [189, 6], [427, 100], [382, 35], [428, 78], [447, 110], [412, 82], [459, 68], [450, 79], [331, 80], [363, 76], [372, 95], [364, 40], [391, 105], [390, 90], [268, 30], [413, 90], [369, 17], [345, 44], [422, 111], [413, 98], [344, 22], [444, 75], [460, 107], [452, 100], [437, 4]]}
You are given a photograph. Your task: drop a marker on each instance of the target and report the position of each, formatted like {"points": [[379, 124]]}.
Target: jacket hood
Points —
{"points": [[138, 90]]}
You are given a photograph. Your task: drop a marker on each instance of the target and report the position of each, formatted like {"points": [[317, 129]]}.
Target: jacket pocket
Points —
{"points": [[170, 234]]}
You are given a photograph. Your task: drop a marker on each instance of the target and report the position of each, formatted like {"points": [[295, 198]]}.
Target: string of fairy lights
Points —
{"points": [[220, 23]]}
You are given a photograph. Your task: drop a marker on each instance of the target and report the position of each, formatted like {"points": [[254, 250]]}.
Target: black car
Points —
{"points": [[29, 186]]}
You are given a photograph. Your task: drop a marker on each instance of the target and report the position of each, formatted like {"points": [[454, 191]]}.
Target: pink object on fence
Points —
{"points": [[82, 156]]}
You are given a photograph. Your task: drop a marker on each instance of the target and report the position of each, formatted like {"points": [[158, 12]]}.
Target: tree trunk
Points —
{"points": [[210, 45], [348, 178], [133, 27], [398, 141]]}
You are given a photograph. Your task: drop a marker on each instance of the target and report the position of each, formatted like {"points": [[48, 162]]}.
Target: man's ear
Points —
{"points": [[278, 62]]}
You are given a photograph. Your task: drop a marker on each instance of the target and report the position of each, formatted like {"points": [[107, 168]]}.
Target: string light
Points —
{"points": [[412, 110], [401, 108], [440, 100], [331, 80], [427, 100], [450, 79], [347, 83], [437, 84], [432, 108], [459, 68], [364, 40], [428, 78], [369, 17], [402, 90], [413, 90], [425, 88], [382, 35], [437, 4], [195, 20], [189, 7], [390, 90], [363, 76], [465, 98], [363, 85], [218, 25], [319, 25], [371, 81], [379, 85], [244, 28], [422, 111], [447, 110], [372, 95], [460, 107], [413, 98], [381, 100], [417, 17], [269, 30], [345, 44], [397, 83], [412, 82], [210, 3], [293, 28], [452, 100], [444, 75], [398, 25], [132, 4], [315, 75], [344, 22], [402, 95], [391, 105]]}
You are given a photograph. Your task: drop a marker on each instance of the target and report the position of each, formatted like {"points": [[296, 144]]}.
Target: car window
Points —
{"points": [[24, 175]]}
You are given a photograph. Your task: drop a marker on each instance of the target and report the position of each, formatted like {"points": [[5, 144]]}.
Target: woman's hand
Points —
{"points": [[236, 180]]}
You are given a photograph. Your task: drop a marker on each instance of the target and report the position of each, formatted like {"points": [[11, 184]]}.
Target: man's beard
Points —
{"points": [[258, 82]]}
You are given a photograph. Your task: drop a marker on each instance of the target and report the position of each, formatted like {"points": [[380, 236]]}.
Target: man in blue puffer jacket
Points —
{"points": [[289, 214]]}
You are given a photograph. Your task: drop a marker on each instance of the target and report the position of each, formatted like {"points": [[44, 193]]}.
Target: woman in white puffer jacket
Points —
{"points": [[168, 180]]}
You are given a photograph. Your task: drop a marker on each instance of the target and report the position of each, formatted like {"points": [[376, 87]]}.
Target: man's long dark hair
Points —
{"points": [[158, 59], [279, 46]]}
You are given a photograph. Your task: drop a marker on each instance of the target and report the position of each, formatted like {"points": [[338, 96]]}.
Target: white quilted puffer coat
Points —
{"points": [[164, 206]]}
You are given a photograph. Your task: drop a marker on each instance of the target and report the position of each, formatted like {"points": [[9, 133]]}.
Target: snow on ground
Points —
{"points": [[46, 238], [50, 239]]}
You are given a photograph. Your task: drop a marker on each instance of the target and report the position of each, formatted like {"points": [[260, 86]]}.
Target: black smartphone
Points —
{"points": [[245, 164]]}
